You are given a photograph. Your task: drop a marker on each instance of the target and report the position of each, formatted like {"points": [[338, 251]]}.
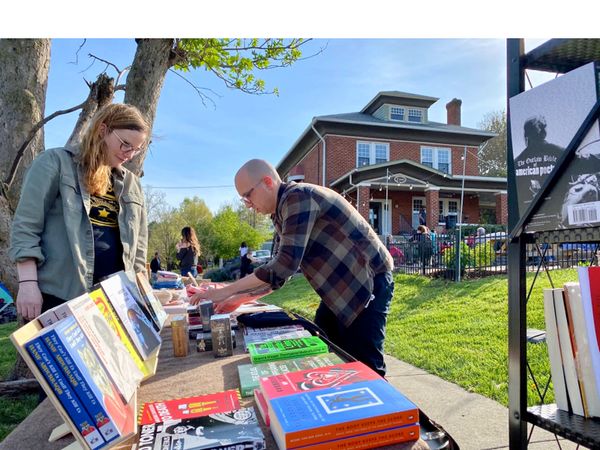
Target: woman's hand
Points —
{"points": [[29, 300]]}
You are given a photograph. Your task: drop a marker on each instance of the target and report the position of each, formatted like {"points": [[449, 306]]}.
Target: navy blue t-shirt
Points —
{"points": [[104, 214]]}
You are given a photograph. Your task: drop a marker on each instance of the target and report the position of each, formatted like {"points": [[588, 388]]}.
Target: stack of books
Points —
{"points": [[342, 406], [258, 335], [572, 316], [286, 348]]}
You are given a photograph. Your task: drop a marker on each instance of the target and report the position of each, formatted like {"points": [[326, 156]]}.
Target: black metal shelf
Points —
{"points": [[555, 55], [570, 426]]}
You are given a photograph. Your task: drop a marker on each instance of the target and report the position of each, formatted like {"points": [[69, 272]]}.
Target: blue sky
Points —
{"points": [[198, 146]]}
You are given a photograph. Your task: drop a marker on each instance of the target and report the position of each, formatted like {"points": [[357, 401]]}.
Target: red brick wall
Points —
{"points": [[502, 208], [363, 205], [312, 164], [471, 209], [432, 197]]}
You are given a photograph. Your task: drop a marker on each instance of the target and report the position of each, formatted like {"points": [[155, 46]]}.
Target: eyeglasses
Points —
{"points": [[246, 195], [126, 147]]}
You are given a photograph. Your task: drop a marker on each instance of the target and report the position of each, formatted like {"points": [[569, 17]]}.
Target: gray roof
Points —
{"points": [[398, 97]]}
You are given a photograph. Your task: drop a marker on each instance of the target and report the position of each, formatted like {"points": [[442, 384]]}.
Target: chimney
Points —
{"points": [[453, 109]]}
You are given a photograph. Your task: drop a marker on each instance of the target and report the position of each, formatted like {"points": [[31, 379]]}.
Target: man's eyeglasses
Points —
{"points": [[246, 195], [126, 147]]}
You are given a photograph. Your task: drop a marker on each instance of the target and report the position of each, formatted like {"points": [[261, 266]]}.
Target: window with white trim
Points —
{"points": [[437, 158], [396, 113], [415, 115], [368, 153]]}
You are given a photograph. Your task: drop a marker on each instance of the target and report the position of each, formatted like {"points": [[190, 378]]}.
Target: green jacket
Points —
{"points": [[52, 224]]}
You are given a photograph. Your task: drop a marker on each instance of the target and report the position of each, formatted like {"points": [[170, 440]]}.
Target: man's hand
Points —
{"points": [[29, 300], [230, 304]]}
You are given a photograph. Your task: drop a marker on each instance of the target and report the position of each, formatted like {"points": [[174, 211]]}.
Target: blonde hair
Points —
{"points": [[92, 156], [189, 235]]}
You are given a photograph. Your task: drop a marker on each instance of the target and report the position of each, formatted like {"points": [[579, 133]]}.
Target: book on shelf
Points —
{"points": [[232, 430], [582, 349], [263, 407], [374, 439], [106, 309], [188, 407], [141, 332], [554, 354], [150, 298], [286, 349], [250, 374], [540, 133], [71, 404], [220, 329], [77, 357], [290, 383], [319, 416], [258, 335], [589, 283], [128, 279], [112, 352], [574, 393]]}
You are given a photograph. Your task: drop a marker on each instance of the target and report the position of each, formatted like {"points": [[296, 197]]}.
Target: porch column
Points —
{"points": [[432, 206], [364, 196], [501, 207]]}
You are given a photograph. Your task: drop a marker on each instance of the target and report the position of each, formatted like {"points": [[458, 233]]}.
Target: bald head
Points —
{"points": [[260, 181]]}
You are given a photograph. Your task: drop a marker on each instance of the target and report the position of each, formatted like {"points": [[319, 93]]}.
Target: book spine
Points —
{"points": [[80, 385], [556, 366], [65, 394], [371, 440]]}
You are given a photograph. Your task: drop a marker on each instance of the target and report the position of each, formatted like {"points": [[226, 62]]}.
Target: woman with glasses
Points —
{"points": [[81, 215]]}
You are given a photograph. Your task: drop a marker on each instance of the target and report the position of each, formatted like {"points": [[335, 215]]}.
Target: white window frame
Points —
{"points": [[446, 208], [420, 112], [403, 113], [435, 151], [372, 152]]}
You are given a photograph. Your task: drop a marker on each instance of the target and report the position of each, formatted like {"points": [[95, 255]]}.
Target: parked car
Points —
{"points": [[261, 256]]}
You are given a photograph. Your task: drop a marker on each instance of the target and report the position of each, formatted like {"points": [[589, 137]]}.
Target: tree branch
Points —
{"points": [[108, 63], [198, 89]]}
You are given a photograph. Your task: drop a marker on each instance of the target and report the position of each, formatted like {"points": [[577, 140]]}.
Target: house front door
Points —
{"points": [[375, 216]]}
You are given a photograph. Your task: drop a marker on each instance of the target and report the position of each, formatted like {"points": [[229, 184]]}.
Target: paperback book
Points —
{"points": [[318, 416], [104, 306], [258, 335], [235, 430], [128, 279], [65, 394], [189, 407], [251, 373], [286, 349], [140, 330], [149, 297], [88, 378]]}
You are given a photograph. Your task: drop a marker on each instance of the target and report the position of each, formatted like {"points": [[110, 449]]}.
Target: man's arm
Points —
{"points": [[228, 298]]}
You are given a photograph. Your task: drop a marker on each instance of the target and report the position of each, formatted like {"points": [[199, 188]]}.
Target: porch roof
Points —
{"points": [[407, 172]]}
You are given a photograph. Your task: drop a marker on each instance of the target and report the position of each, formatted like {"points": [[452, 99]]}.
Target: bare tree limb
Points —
{"points": [[77, 53], [120, 72], [198, 89]]}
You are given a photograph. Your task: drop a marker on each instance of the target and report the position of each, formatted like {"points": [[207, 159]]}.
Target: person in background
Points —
{"points": [[339, 253], [188, 250], [422, 216], [155, 266], [81, 215], [244, 260]]}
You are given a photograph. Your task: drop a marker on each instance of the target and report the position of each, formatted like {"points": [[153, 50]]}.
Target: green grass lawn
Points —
{"points": [[457, 331]]}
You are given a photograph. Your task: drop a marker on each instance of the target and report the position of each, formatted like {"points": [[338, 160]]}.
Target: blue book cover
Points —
{"points": [[326, 414], [85, 358], [67, 397], [80, 379]]}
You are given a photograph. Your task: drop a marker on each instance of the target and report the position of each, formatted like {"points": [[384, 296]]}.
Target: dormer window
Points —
{"points": [[396, 113], [415, 115]]}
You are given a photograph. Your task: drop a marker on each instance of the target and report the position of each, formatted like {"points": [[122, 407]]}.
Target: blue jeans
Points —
{"points": [[193, 270], [363, 339]]}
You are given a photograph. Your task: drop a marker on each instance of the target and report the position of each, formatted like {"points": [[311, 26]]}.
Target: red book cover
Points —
{"points": [[594, 274], [262, 406], [318, 378], [190, 407]]}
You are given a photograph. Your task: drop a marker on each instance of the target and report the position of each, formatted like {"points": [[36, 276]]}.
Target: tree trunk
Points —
{"points": [[152, 60], [23, 80], [101, 93]]}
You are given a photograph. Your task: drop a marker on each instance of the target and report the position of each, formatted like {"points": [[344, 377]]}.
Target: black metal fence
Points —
{"points": [[470, 257]]}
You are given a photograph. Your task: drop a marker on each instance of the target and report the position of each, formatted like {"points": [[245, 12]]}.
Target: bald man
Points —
{"points": [[336, 249]]}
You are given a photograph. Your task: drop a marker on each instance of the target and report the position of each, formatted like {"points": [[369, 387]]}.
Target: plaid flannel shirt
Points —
{"points": [[338, 252]]}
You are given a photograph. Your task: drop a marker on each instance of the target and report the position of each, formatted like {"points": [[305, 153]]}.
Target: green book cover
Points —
{"points": [[250, 373], [286, 349]]}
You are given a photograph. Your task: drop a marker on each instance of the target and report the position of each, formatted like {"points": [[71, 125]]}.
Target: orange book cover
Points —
{"points": [[107, 310]]}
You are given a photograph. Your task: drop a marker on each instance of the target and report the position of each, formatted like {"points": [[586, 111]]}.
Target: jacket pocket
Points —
{"points": [[70, 193]]}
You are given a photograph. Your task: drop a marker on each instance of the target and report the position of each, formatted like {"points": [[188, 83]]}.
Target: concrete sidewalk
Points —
{"points": [[475, 422]]}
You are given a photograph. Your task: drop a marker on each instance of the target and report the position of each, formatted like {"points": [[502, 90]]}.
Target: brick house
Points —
{"points": [[390, 161]]}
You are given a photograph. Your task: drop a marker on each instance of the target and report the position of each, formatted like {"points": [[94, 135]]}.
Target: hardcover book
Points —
{"points": [[286, 349], [220, 328], [556, 365], [148, 295], [237, 429], [140, 330], [540, 132], [258, 335], [78, 358], [323, 415], [275, 386], [65, 394], [104, 306], [112, 352], [128, 279], [250, 373], [189, 407]]}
